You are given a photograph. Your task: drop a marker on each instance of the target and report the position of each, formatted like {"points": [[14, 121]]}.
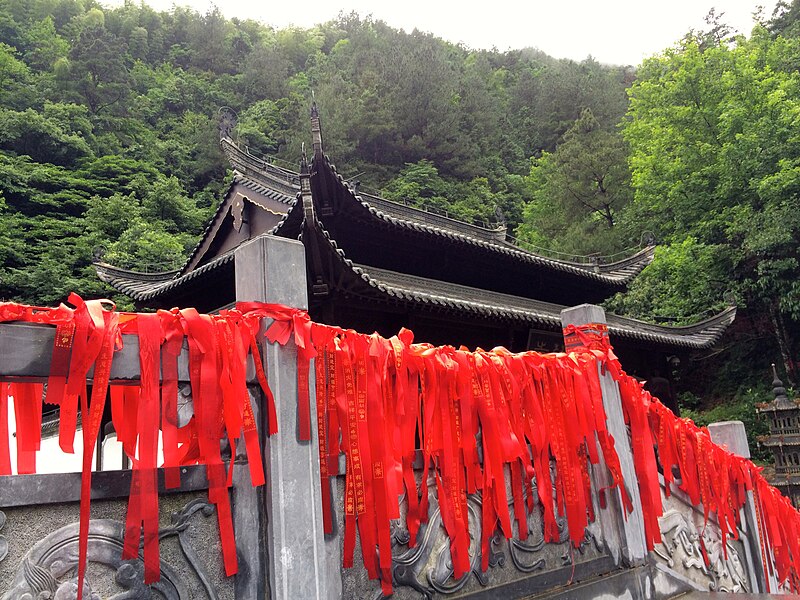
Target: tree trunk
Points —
{"points": [[784, 344]]}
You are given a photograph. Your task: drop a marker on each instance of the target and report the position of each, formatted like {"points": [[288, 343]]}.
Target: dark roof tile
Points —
{"points": [[514, 308], [617, 273], [144, 287]]}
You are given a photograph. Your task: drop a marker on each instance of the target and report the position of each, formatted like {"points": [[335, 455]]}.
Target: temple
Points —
{"points": [[379, 265]]}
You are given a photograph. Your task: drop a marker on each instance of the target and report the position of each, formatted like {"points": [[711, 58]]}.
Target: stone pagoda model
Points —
{"points": [[783, 416]]}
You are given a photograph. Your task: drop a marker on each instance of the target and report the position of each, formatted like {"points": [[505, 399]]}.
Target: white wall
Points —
{"points": [[50, 459]]}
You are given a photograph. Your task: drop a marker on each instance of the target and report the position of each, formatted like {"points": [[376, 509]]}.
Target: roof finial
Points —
{"points": [[316, 130], [781, 399], [227, 122]]}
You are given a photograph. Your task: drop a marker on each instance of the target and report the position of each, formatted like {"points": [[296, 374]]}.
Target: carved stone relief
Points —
{"points": [[427, 567], [426, 570], [49, 569], [682, 547], [3, 540]]}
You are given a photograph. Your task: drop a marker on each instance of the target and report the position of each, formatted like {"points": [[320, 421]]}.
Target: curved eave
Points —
{"points": [[628, 268], [392, 287], [291, 224], [271, 176], [616, 275], [623, 270], [148, 287], [700, 335], [416, 215], [263, 190]]}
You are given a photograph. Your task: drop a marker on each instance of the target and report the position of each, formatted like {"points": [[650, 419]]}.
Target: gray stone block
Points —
{"points": [[732, 435], [623, 533], [272, 269]]}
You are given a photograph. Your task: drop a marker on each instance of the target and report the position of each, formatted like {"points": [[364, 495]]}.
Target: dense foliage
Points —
{"points": [[712, 128]]}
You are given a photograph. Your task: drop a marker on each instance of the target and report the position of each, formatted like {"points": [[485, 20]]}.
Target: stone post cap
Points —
{"points": [[592, 320], [731, 434]]}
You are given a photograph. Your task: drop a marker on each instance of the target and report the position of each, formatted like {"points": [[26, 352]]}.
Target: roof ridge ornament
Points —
{"points": [[316, 130], [305, 185], [303, 159], [227, 122]]}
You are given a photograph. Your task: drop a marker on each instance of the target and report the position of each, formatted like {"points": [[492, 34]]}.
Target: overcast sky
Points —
{"points": [[613, 31]]}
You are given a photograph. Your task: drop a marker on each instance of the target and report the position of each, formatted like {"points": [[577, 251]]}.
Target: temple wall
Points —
{"points": [[685, 538], [516, 567]]}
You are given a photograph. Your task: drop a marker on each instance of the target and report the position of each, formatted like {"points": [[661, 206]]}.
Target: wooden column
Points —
{"points": [[624, 536], [273, 269]]}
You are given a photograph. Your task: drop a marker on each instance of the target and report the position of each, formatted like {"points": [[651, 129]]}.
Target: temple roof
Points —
{"points": [[273, 190], [432, 295], [382, 251], [494, 305], [287, 182], [331, 187], [243, 188], [439, 296], [259, 170]]}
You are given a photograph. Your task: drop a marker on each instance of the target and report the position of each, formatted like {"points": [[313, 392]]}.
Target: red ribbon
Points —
{"points": [[5, 453], [173, 341], [28, 414], [106, 330], [143, 506]]}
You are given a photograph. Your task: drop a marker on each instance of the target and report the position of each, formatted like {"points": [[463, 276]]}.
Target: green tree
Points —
{"points": [[98, 67], [261, 127], [45, 45], [549, 96], [14, 74], [685, 282], [420, 185], [578, 191], [714, 153], [33, 134], [209, 41], [785, 19], [167, 203], [146, 247], [265, 72]]}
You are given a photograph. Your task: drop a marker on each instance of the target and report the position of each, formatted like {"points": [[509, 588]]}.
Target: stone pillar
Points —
{"points": [[273, 269], [624, 535], [733, 435], [249, 520]]}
